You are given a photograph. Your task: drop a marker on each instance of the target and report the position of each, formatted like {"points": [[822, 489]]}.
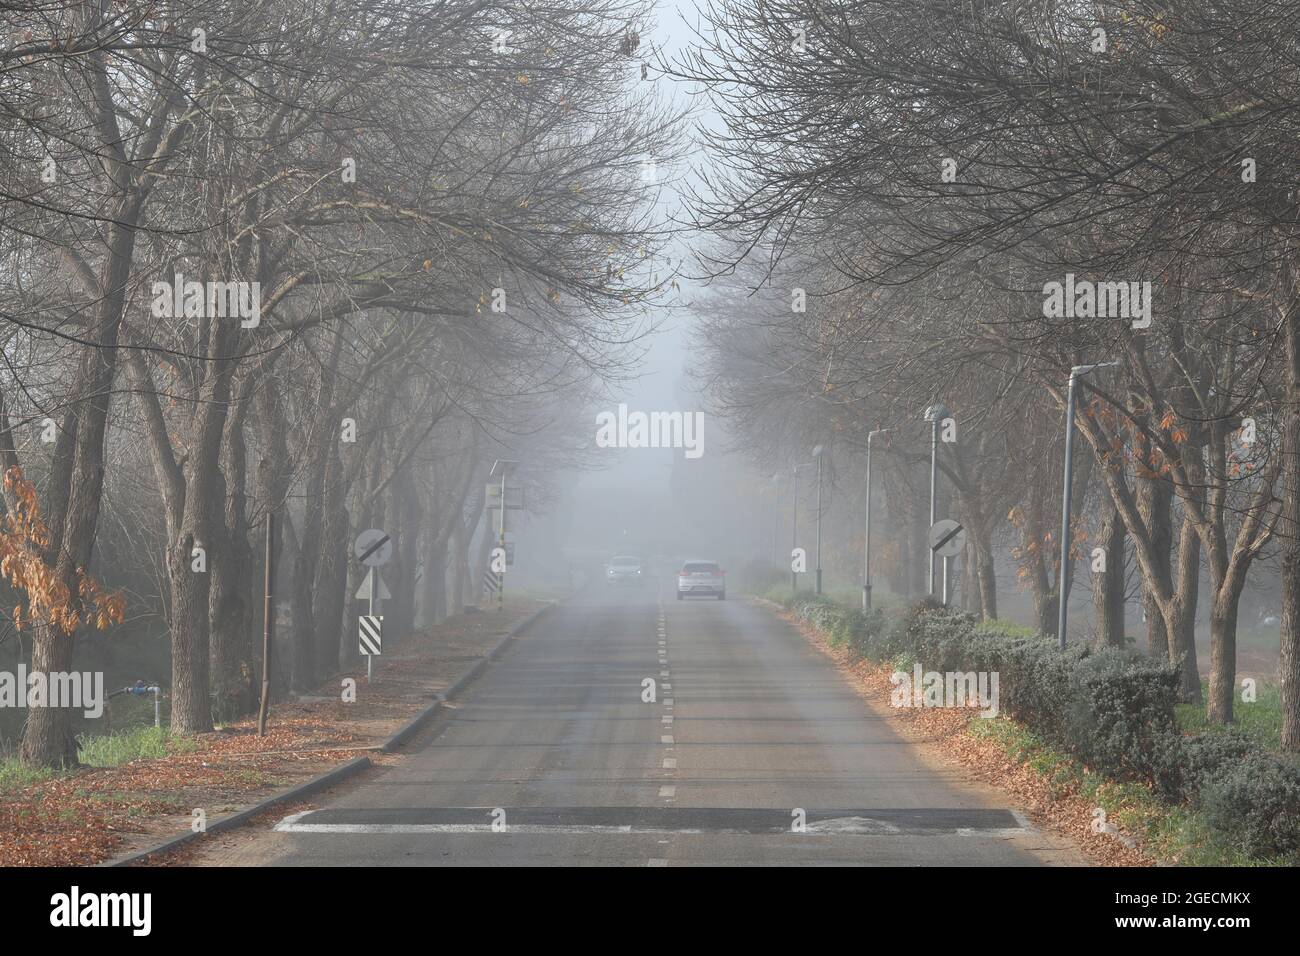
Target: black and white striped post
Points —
{"points": [[373, 548]]}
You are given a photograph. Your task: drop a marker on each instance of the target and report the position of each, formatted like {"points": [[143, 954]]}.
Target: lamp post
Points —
{"points": [[817, 453], [1062, 597], [866, 558], [935, 415]]}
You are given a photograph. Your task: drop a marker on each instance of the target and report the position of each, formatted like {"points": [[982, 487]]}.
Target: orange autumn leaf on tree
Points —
{"points": [[23, 539]]}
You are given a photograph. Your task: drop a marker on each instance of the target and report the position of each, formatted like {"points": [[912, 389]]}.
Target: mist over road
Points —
{"points": [[750, 724]]}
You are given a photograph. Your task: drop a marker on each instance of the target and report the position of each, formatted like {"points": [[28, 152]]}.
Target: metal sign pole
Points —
{"points": [[371, 609], [934, 481], [501, 591], [268, 626]]}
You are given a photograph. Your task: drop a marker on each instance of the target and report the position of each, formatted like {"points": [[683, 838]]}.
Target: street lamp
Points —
{"points": [[935, 415], [866, 559], [817, 453], [1063, 601]]}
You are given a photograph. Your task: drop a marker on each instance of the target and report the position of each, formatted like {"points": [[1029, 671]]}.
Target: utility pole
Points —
{"points": [[268, 624], [866, 558], [817, 453], [1063, 597], [501, 591]]}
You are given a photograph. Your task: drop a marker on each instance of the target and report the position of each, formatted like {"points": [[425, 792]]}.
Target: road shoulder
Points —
{"points": [[1061, 833]]}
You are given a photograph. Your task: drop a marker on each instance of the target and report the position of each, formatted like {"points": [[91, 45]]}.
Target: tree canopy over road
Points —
{"points": [[899, 189], [289, 257]]}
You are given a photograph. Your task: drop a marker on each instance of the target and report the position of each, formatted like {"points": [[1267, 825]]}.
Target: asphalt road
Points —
{"points": [[756, 751]]}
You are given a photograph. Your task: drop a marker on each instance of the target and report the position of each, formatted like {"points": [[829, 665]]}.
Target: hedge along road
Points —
{"points": [[752, 734]]}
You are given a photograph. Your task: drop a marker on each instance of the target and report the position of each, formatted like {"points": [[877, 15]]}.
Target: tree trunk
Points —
{"points": [[230, 612], [480, 564], [1223, 651], [1182, 624], [1108, 586], [232, 598], [458, 585], [1289, 534], [190, 587], [984, 570], [77, 485], [1038, 564], [405, 507], [187, 620], [47, 735], [433, 588], [1154, 499], [332, 571]]}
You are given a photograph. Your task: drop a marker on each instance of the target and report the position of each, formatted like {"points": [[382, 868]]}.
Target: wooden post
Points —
{"points": [[268, 624]]}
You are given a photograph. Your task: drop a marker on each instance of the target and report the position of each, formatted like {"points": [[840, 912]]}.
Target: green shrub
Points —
{"points": [[1256, 804], [1112, 709]]}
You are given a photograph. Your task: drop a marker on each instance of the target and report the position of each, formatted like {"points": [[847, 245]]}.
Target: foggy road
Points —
{"points": [[750, 725]]}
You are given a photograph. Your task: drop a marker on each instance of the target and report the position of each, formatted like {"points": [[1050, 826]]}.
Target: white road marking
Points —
{"points": [[667, 791], [399, 828], [656, 863], [666, 739], [670, 763], [849, 826]]}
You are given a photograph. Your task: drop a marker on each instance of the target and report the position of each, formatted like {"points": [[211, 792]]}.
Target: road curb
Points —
{"points": [[305, 789], [347, 770]]}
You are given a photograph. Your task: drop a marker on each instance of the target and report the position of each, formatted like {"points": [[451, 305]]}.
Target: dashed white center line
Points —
{"points": [[668, 792]]}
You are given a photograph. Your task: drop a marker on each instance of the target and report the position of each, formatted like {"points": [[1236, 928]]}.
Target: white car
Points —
{"points": [[702, 577], [625, 569]]}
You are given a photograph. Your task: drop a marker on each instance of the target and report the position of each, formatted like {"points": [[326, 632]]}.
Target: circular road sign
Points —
{"points": [[947, 538], [373, 547]]}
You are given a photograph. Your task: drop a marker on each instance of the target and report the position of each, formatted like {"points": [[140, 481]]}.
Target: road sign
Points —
{"points": [[947, 538], [381, 589], [514, 496], [370, 630], [373, 548], [491, 582]]}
